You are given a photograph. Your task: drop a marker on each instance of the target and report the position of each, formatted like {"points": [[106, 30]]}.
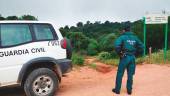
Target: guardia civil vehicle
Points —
{"points": [[34, 55]]}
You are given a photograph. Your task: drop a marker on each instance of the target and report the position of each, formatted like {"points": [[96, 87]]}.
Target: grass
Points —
{"points": [[158, 57], [155, 58], [77, 59], [93, 65], [141, 60], [113, 62]]}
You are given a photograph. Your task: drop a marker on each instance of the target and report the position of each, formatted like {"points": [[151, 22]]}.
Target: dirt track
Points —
{"points": [[150, 80]]}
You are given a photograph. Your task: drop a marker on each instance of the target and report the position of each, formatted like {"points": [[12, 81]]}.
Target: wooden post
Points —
{"points": [[150, 54]]}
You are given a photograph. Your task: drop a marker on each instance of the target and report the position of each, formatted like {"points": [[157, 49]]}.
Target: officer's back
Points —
{"points": [[129, 43]]}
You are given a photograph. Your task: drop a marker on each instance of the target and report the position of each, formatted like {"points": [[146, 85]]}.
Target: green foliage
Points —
{"points": [[158, 57], [104, 56], [113, 62], [155, 58], [77, 59], [140, 60], [28, 17], [93, 30], [168, 56], [79, 24], [63, 32], [92, 47], [78, 40], [114, 54], [12, 18], [2, 18], [23, 17], [100, 32], [93, 65], [106, 43]]}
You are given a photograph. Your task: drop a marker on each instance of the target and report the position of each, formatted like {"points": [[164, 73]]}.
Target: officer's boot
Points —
{"points": [[129, 92], [115, 91]]}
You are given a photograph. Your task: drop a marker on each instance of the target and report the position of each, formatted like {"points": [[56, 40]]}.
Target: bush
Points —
{"points": [[78, 40], [141, 60], [168, 56], [114, 54], [104, 56], [157, 57], [107, 42], [93, 66], [92, 47], [114, 62], [77, 59]]}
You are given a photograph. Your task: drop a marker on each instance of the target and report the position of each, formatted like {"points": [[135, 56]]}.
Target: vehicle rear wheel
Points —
{"points": [[41, 82]]}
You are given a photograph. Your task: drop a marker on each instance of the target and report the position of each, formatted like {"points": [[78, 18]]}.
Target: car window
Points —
{"points": [[14, 34], [43, 32]]}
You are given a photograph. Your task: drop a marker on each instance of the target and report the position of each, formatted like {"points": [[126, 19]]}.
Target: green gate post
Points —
{"points": [[144, 36], [166, 42]]}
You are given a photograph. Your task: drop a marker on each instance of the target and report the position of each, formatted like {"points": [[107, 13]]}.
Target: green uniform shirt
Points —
{"points": [[129, 43]]}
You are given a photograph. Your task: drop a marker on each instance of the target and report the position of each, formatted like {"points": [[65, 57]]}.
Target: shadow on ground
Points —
{"points": [[12, 91]]}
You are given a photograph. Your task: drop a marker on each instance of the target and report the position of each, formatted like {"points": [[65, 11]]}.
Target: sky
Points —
{"points": [[69, 12]]}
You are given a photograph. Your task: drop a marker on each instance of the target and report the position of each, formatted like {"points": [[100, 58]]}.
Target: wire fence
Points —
{"points": [[158, 57]]}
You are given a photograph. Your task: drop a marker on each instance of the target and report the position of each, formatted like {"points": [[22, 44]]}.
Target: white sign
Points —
{"points": [[156, 19]]}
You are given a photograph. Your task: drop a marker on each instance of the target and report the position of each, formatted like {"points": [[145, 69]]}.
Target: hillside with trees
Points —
{"points": [[92, 38]]}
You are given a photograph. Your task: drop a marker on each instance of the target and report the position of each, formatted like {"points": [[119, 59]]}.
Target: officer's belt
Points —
{"points": [[128, 52]]}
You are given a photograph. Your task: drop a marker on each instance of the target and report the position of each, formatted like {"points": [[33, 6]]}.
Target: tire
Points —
{"points": [[41, 82]]}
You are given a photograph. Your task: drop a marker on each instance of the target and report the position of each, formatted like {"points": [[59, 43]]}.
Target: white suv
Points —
{"points": [[34, 55]]}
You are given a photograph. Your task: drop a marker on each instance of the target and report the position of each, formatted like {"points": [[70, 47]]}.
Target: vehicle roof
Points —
{"points": [[23, 21]]}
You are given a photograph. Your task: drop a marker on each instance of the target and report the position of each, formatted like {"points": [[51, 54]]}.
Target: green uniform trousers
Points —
{"points": [[126, 62]]}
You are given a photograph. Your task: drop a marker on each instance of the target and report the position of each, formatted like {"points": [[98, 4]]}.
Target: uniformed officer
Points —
{"points": [[127, 46]]}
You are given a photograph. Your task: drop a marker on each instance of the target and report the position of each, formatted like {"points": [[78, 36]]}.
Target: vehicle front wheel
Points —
{"points": [[41, 82]]}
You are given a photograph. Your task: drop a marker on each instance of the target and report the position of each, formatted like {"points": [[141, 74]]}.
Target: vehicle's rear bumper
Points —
{"points": [[65, 65]]}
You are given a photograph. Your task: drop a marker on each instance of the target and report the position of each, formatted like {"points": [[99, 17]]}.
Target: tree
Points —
{"points": [[79, 24], [74, 29], [107, 23], [12, 18], [88, 22], [63, 32], [2, 18], [93, 47], [107, 42], [28, 17], [66, 28], [78, 40], [106, 32]]}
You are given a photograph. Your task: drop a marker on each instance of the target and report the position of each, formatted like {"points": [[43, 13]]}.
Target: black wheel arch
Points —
{"points": [[42, 62]]}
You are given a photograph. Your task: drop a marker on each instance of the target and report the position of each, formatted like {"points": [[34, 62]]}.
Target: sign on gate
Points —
{"points": [[156, 19]]}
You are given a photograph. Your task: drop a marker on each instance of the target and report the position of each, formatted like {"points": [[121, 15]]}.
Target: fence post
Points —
{"points": [[150, 54], [166, 41], [144, 37]]}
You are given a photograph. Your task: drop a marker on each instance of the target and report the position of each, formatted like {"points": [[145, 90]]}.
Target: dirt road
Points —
{"points": [[149, 80]]}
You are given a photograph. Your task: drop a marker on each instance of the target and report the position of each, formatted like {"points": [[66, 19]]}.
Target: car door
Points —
{"points": [[13, 52]]}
